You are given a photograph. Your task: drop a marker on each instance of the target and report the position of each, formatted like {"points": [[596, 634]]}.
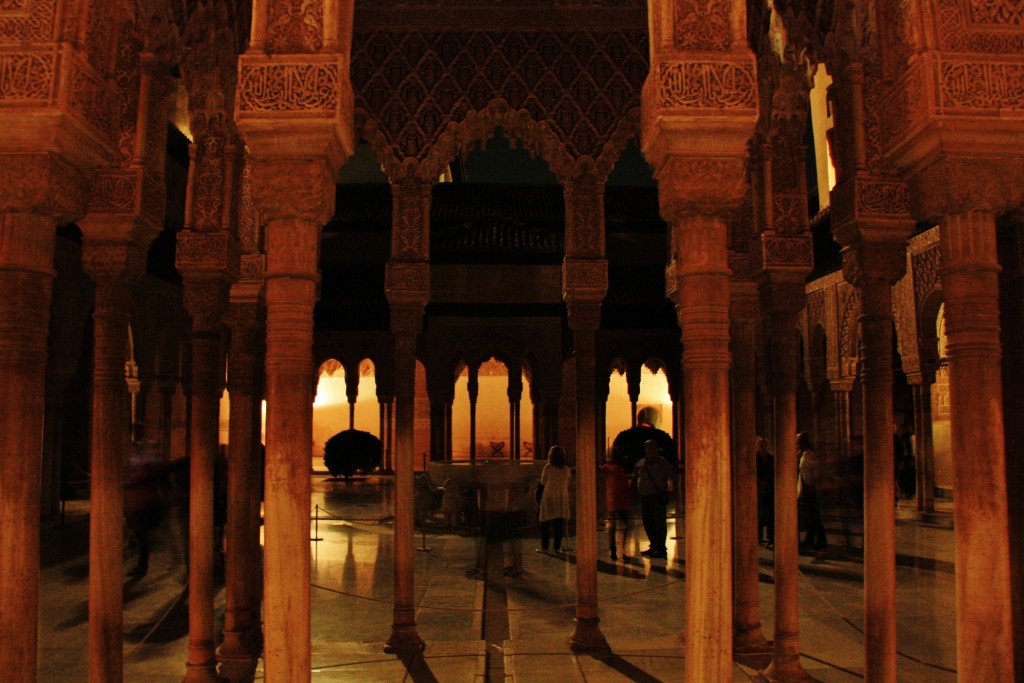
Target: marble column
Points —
{"points": [[983, 595], [294, 199], [26, 278], [438, 426], [874, 267], [782, 303], [633, 390], [406, 323], [108, 266], [584, 320], [746, 613], [841, 395], [206, 303], [243, 578], [698, 280]]}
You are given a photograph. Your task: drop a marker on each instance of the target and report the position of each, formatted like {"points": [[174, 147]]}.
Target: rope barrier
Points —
{"points": [[859, 630], [159, 622]]}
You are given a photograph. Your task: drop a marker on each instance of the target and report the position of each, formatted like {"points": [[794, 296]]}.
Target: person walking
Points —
{"points": [[807, 491], [616, 494], [652, 475], [554, 501]]}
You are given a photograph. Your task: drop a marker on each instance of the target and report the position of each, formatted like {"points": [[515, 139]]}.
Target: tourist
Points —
{"points": [[554, 501], [653, 477], [616, 492], [807, 492]]}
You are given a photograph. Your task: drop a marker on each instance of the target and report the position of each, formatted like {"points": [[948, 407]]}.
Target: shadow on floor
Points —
{"points": [[629, 671]]}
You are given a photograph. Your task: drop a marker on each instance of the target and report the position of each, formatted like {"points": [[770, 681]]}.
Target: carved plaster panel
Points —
{"points": [[585, 278], [28, 77], [407, 278], [290, 87], [702, 25], [709, 84], [787, 252], [207, 252], [295, 26], [991, 26], [414, 85], [44, 184], [23, 21]]}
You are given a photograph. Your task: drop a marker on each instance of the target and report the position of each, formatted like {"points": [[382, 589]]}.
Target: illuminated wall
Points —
{"points": [[653, 394], [492, 413]]}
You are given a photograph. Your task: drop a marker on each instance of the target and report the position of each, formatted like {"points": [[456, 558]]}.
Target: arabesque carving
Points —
{"points": [[585, 278], [407, 277], [927, 269], [295, 26], [27, 77], [787, 252], [702, 25], [980, 26], [276, 87], [981, 85], [302, 189], [114, 191], [43, 184], [719, 84], [215, 251], [414, 85], [23, 21]]}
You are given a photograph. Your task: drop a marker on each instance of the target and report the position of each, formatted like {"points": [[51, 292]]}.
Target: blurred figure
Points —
{"points": [[765, 493], [616, 491], [554, 501], [143, 503], [653, 476], [807, 493]]}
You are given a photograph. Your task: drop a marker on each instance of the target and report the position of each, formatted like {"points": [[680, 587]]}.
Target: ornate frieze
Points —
{"points": [[584, 203], [964, 183], [44, 184], [295, 26], [403, 278], [415, 85], [981, 85], [115, 191], [252, 267], [94, 99], [299, 86], [991, 26], [707, 84], [786, 252], [24, 21], [303, 190], [700, 185], [207, 252], [27, 77], [702, 25], [585, 278]]}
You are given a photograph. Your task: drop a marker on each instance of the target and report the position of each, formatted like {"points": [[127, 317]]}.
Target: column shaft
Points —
{"points": [[242, 562], [404, 636], [970, 286], [702, 305], [879, 482], [203, 451], [26, 279], [106, 509], [586, 635], [783, 349], [746, 613], [289, 371]]}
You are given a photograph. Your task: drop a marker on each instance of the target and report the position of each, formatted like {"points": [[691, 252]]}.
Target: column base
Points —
{"points": [[749, 641], [203, 673], [586, 636], [788, 671], [404, 640], [237, 657]]}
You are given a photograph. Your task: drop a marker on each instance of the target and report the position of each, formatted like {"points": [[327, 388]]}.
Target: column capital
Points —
{"points": [[960, 183], [206, 301], [584, 280], [410, 219], [300, 189], [782, 257], [407, 284], [701, 186], [204, 254], [870, 262], [280, 117], [744, 302], [116, 260], [43, 184]]}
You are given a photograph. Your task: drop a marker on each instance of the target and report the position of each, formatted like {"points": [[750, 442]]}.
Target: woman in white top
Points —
{"points": [[554, 502], [807, 492]]}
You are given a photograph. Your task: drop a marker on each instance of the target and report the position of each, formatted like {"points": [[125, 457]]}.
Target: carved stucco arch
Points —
{"points": [[519, 126]]}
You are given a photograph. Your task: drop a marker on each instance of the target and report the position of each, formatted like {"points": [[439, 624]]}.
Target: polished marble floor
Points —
{"points": [[482, 624]]}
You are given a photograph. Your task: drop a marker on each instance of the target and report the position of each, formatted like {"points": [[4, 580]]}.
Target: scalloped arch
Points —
{"points": [[478, 126]]}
